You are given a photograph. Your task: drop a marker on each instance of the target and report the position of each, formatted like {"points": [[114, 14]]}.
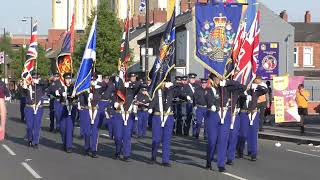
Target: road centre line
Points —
{"points": [[307, 154], [234, 176], [8, 149], [31, 171]]}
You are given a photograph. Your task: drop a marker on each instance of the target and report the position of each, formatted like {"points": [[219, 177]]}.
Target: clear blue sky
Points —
{"points": [[12, 12]]}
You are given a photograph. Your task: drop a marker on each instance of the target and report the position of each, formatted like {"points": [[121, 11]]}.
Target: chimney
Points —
{"points": [[307, 17], [284, 15]]}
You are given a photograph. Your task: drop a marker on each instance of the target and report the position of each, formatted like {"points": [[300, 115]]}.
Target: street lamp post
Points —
{"points": [[4, 56], [59, 2], [31, 22]]}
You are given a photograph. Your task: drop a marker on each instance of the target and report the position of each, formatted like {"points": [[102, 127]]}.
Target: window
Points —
{"points": [[307, 56], [296, 56]]}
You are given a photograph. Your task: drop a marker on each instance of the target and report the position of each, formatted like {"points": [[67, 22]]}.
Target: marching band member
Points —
{"points": [[68, 113], [33, 92], [200, 108], [142, 101], [162, 122]]}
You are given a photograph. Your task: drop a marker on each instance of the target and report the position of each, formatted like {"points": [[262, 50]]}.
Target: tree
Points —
{"points": [[19, 57], [108, 40]]}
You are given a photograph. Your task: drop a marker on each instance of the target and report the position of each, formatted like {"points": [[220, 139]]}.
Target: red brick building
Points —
{"points": [[307, 47]]}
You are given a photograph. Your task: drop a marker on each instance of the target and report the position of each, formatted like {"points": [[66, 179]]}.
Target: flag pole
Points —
{"points": [[146, 59]]}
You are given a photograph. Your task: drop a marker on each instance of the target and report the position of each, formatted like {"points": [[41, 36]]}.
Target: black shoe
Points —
{"points": [[36, 146], [229, 162], [222, 169], [249, 153], [153, 161], [94, 154], [261, 130], [30, 143], [208, 166], [253, 158], [87, 152], [240, 155], [69, 150], [51, 130], [126, 159], [116, 157], [205, 138], [166, 164]]}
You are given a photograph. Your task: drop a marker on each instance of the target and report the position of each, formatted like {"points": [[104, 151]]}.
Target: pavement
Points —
{"points": [[19, 162]]}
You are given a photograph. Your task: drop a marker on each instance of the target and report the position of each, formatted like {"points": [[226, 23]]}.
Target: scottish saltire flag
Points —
{"points": [[142, 6], [164, 63], [64, 60], [216, 29], [84, 75], [123, 60], [246, 63], [32, 55]]}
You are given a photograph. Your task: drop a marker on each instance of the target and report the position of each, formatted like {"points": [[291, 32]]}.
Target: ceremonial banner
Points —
{"points": [[216, 28], [268, 64], [284, 91], [32, 55], [123, 60], [83, 81], [246, 47], [64, 60], [165, 61]]}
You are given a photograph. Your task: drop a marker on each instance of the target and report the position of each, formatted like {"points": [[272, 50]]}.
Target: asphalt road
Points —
{"points": [[18, 162]]}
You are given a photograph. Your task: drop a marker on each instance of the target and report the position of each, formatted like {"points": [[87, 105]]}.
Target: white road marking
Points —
{"points": [[31, 171], [298, 152], [8, 149], [234, 176]]}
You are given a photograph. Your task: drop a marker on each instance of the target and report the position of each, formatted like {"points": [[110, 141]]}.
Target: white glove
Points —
{"points": [[246, 93], [90, 96], [116, 105], [168, 84], [8, 98], [135, 109], [263, 85], [213, 108], [97, 86], [150, 111], [136, 118], [126, 84], [57, 93], [64, 94], [189, 98], [117, 78], [254, 86], [237, 110], [249, 98], [223, 83], [79, 107]]}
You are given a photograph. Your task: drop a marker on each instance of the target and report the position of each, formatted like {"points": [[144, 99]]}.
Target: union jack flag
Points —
{"points": [[32, 55], [123, 60], [247, 58]]}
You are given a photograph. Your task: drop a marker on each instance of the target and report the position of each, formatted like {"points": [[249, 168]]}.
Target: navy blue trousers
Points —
{"points": [[201, 115], [143, 117], [57, 113], [67, 126], [212, 124], [233, 139], [223, 136], [122, 134], [252, 141], [161, 135], [33, 122], [22, 106]]}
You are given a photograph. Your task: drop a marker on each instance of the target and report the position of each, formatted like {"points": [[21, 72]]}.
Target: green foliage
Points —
{"points": [[108, 40]]}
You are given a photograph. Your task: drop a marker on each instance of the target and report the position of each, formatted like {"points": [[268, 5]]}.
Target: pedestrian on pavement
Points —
{"points": [[262, 103], [3, 113], [302, 99]]}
